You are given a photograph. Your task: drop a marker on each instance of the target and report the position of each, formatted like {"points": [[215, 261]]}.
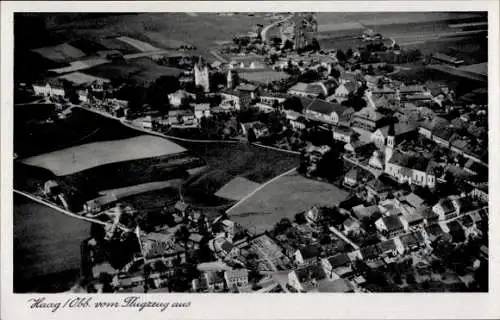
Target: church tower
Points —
{"points": [[230, 79], [391, 140], [201, 75]]}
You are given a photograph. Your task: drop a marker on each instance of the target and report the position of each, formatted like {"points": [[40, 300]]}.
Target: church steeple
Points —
{"points": [[391, 141]]}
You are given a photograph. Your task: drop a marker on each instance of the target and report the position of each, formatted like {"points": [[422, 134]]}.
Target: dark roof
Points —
{"points": [[409, 161], [339, 260], [387, 245], [325, 107], [309, 252], [444, 133], [434, 230], [447, 205], [370, 252], [314, 88], [310, 272], [411, 89], [227, 246], [412, 239], [392, 223]]}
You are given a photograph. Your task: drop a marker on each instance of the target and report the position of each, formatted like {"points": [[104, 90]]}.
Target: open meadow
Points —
{"points": [[227, 161], [71, 160], [46, 247], [283, 198]]}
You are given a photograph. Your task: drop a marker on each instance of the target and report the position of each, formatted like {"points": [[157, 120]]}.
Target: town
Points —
{"points": [[408, 150]]}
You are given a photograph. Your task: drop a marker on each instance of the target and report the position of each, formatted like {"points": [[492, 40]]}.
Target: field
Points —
{"points": [[237, 189], [139, 45], [46, 247], [141, 188], [60, 53], [71, 160], [32, 138], [141, 69], [162, 30], [79, 78], [227, 161], [283, 198], [113, 43]]}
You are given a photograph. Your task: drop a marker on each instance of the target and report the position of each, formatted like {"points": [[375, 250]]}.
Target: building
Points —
{"points": [[307, 255], [331, 113], [369, 119], [337, 266], [390, 226], [50, 88], [345, 134], [399, 131], [412, 241], [214, 280], [444, 58], [351, 178], [309, 90], [445, 209], [180, 96], [202, 110], [236, 277], [344, 89], [351, 226], [272, 99], [306, 278], [201, 75], [411, 169], [231, 100], [100, 203], [51, 188], [360, 211]]}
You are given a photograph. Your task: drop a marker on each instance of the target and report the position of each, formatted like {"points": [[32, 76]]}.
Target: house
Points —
{"points": [[337, 266], [248, 89], [344, 89], [313, 215], [272, 98], [100, 203], [351, 226], [351, 178], [306, 278], [434, 232], [236, 277], [259, 129], [231, 100], [311, 90], [360, 211], [50, 88], [390, 248], [229, 228], [481, 193], [214, 280], [181, 117], [442, 136], [370, 253], [377, 189], [51, 188], [344, 134], [427, 127], [331, 113], [368, 119], [429, 217], [412, 241], [390, 225], [411, 169], [202, 110], [195, 240], [445, 209], [402, 131], [307, 255], [409, 204], [180, 96]]}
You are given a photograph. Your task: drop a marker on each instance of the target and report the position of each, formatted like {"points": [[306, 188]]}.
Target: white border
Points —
{"points": [[258, 306]]}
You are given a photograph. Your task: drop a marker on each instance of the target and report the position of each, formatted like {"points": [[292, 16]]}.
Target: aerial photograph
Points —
{"points": [[250, 152]]}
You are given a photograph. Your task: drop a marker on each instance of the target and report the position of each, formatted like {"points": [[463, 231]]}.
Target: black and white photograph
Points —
{"points": [[241, 152], [253, 151]]}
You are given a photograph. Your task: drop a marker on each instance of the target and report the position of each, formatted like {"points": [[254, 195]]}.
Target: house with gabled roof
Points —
{"points": [[307, 255], [390, 225], [337, 266], [329, 112]]}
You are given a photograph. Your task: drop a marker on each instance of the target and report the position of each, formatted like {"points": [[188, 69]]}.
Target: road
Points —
{"points": [[69, 213], [343, 237], [265, 30], [218, 56]]}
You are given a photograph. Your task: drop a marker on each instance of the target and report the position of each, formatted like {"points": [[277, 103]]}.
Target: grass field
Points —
{"points": [[237, 189], [71, 160], [60, 53], [283, 198], [141, 69], [227, 161], [139, 45], [46, 247], [81, 127]]}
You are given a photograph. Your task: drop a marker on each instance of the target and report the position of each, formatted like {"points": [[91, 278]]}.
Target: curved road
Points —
{"points": [[263, 33]]}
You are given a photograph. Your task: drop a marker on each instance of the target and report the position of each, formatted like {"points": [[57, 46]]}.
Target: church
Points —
{"points": [[404, 167], [201, 75]]}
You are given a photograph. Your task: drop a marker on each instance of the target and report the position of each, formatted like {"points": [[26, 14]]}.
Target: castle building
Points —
{"points": [[201, 76]]}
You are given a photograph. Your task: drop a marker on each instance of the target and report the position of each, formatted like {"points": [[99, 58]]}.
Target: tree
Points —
{"points": [[283, 225], [293, 103], [330, 166], [349, 53], [251, 136], [157, 94], [335, 73], [300, 218], [341, 55], [182, 235]]}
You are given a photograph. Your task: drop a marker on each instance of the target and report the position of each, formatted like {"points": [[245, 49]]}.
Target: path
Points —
{"points": [[69, 213], [259, 188], [218, 56], [343, 237], [263, 33]]}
